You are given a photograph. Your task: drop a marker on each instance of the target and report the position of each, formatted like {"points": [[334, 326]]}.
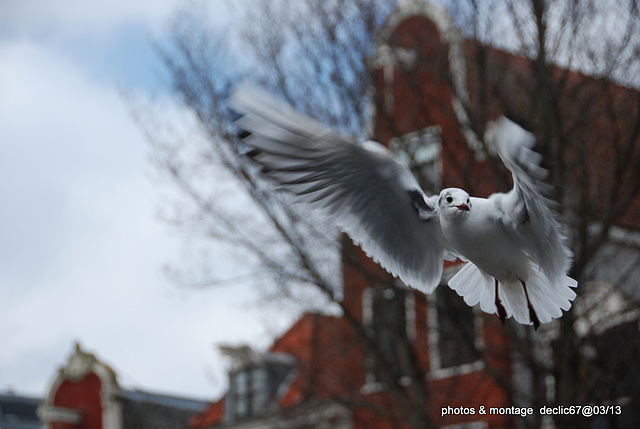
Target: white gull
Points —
{"points": [[517, 255]]}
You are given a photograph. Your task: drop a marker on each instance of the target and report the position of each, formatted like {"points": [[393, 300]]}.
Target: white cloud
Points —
{"points": [[80, 250], [95, 19], [75, 16]]}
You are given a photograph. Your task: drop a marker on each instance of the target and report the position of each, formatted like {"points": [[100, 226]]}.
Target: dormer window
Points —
{"points": [[421, 151], [249, 389], [254, 381]]}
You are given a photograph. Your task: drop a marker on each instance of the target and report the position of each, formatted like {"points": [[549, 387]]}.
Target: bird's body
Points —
{"points": [[477, 235], [510, 239]]}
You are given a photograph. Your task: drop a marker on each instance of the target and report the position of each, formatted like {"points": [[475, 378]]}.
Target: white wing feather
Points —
{"points": [[528, 208], [371, 194]]}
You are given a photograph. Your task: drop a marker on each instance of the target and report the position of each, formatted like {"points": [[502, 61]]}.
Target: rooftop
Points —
{"points": [[18, 412]]}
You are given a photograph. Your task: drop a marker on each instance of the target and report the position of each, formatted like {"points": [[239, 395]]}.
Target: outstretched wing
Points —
{"points": [[529, 211], [371, 195]]}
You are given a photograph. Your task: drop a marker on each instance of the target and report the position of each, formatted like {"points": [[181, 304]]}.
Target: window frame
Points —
{"points": [[436, 369]]}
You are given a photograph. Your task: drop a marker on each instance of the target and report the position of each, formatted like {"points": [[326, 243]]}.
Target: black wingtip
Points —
{"points": [[243, 134], [253, 153]]}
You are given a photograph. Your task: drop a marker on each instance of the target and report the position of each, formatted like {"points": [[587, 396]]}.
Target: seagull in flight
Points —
{"points": [[517, 257]]}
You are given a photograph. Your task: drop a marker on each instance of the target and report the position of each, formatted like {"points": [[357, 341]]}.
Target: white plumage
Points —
{"points": [[518, 257]]}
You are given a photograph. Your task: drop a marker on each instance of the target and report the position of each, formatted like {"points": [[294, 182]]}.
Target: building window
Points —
{"points": [[614, 378], [454, 337], [255, 382], [456, 325], [389, 320], [421, 151], [389, 315], [248, 390]]}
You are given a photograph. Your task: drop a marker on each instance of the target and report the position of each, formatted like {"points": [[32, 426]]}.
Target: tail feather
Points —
{"points": [[474, 286], [548, 298], [515, 302]]}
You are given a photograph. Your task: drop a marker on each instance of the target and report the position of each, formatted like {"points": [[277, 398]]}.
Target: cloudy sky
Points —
{"points": [[81, 247]]}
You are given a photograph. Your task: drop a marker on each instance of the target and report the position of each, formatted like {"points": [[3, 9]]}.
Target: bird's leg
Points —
{"points": [[532, 313], [502, 313]]}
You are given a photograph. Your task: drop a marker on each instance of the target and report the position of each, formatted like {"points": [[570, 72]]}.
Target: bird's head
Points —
{"points": [[454, 201]]}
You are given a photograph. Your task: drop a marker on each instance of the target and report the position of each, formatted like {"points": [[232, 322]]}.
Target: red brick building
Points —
{"points": [[85, 394], [319, 374], [324, 376], [436, 90]]}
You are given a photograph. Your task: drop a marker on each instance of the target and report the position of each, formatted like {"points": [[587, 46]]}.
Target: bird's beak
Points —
{"points": [[463, 207]]}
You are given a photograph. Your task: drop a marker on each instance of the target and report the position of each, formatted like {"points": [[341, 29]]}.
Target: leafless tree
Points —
{"points": [[581, 67], [579, 95]]}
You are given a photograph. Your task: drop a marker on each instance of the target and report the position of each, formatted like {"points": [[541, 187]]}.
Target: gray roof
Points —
{"points": [[18, 412], [144, 410]]}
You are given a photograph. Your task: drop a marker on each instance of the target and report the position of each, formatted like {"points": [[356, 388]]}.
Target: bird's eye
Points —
{"points": [[449, 199]]}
